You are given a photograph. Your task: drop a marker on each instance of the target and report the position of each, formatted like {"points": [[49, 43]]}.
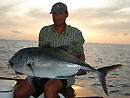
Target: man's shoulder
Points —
{"points": [[47, 27], [73, 28]]}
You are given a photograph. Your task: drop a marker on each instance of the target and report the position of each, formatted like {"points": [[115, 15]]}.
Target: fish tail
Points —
{"points": [[102, 72]]}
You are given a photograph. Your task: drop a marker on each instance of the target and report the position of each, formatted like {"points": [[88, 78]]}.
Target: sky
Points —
{"points": [[100, 21]]}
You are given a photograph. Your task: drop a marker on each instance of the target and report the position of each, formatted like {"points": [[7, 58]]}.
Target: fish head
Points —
{"points": [[21, 61]]}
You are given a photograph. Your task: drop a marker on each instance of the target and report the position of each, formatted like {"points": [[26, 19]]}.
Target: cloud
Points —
{"points": [[108, 19], [16, 31], [7, 10], [126, 34], [119, 34], [116, 34], [12, 15], [112, 18], [38, 14]]}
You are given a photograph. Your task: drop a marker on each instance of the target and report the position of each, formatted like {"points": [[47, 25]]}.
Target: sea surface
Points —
{"points": [[97, 55]]}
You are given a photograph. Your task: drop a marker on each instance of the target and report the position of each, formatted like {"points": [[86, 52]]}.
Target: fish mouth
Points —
{"points": [[19, 73]]}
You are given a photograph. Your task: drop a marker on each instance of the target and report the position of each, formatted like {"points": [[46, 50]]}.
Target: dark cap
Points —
{"points": [[59, 8]]}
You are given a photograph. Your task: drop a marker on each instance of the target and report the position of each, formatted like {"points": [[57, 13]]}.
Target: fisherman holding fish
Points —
{"points": [[58, 35]]}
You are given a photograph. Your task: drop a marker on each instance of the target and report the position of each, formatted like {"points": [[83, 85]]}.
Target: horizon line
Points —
{"points": [[84, 43]]}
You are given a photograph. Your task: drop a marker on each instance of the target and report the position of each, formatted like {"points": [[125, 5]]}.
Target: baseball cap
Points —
{"points": [[59, 8]]}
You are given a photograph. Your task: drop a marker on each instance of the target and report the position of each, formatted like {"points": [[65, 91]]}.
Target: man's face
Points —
{"points": [[59, 18]]}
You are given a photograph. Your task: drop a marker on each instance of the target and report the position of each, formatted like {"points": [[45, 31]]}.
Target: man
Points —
{"points": [[58, 35]]}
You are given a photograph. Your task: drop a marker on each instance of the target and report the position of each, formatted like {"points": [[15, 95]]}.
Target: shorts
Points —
{"points": [[39, 83]]}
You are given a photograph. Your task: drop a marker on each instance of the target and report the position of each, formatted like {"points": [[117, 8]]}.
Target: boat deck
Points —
{"points": [[80, 92]]}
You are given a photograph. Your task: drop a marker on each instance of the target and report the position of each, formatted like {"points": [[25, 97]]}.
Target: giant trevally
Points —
{"points": [[48, 62]]}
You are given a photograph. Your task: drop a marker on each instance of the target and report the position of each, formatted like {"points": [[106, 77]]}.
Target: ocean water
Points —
{"points": [[97, 55]]}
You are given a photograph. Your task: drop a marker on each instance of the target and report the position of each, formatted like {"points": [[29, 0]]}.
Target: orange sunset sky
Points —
{"points": [[101, 21]]}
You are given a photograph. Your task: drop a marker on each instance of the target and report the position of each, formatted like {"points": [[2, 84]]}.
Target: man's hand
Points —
{"points": [[82, 56]]}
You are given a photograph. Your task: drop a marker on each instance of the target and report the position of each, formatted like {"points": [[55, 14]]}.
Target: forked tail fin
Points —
{"points": [[102, 72]]}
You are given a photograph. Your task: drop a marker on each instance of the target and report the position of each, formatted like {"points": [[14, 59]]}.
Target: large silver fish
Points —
{"points": [[55, 63]]}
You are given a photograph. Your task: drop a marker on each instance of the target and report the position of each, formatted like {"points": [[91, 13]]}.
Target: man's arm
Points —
{"points": [[82, 57]]}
